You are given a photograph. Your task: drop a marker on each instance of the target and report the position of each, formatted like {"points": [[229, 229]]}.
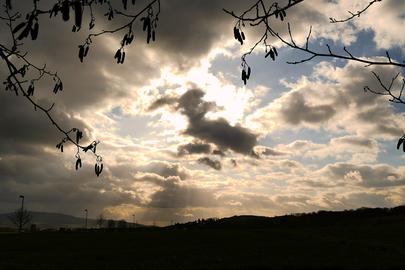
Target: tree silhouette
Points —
{"points": [[20, 218], [259, 15], [100, 221], [20, 79]]}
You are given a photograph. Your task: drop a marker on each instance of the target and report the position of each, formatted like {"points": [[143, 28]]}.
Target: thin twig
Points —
{"points": [[352, 14]]}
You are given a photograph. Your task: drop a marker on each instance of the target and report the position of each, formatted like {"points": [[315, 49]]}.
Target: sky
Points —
{"points": [[183, 138]]}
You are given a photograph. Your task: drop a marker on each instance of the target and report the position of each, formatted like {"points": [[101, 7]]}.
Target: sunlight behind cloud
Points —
{"points": [[183, 137]]}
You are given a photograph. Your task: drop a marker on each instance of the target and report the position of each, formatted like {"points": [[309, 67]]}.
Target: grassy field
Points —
{"points": [[363, 245]]}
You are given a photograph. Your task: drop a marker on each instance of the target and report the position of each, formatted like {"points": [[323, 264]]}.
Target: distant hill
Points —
{"points": [[52, 220], [320, 218]]}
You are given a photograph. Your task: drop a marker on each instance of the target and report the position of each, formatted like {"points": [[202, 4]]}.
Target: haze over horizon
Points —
{"points": [[183, 138]]}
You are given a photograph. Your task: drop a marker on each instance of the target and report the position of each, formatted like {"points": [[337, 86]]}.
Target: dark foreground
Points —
{"points": [[360, 244]]}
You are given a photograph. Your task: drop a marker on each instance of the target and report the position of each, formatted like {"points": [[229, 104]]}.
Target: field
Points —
{"points": [[366, 244]]}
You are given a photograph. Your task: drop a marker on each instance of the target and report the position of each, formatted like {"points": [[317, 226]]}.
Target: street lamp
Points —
{"points": [[20, 221], [85, 224]]}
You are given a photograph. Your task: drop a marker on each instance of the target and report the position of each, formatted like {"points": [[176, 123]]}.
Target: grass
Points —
{"points": [[363, 245]]}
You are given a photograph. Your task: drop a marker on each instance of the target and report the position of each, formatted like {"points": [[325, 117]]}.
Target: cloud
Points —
{"points": [[234, 163], [221, 133], [33, 129], [385, 20], [49, 186], [380, 175], [166, 169], [333, 99], [267, 151], [354, 141], [174, 195], [217, 131], [141, 177], [352, 148], [171, 192], [298, 111], [353, 200], [215, 164], [218, 152], [193, 148], [185, 32], [161, 102]]}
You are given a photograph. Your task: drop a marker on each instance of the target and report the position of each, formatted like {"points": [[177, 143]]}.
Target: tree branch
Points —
{"points": [[352, 14], [21, 27]]}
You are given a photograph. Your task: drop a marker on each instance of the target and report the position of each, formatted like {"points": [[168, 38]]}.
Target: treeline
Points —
{"points": [[319, 218]]}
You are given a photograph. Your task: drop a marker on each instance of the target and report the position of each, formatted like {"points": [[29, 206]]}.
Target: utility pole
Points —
{"points": [[85, 224], [20, 221], [133, 220]]}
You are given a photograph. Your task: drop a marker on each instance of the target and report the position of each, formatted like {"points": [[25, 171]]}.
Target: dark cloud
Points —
{"points": [[233, 162], [49, 185], [267, 151], [218, 131], [218, 152], [97, 80], [22, 128], [161, 102], [215, 164], [188, 30], [193, 106], [193, 148], [297, 110]]}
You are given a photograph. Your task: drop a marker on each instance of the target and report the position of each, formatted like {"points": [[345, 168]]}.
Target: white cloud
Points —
{"points": [[337, 104]]}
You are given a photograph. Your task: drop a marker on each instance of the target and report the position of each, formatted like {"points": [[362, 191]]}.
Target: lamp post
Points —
{"points": [[20, 217], [85, 224]]}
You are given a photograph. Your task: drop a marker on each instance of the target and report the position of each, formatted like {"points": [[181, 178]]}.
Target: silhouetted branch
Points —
{"points": [[16, 82], [387, 89], [353, 14], [21, 27], [259, 15], [314, 54], [151, 21], [259, 7]]}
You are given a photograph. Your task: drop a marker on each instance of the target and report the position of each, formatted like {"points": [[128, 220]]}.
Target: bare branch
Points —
{"points": [[330, 54], [18, 64], [352, 14], [387, 90], [261, 17]]}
